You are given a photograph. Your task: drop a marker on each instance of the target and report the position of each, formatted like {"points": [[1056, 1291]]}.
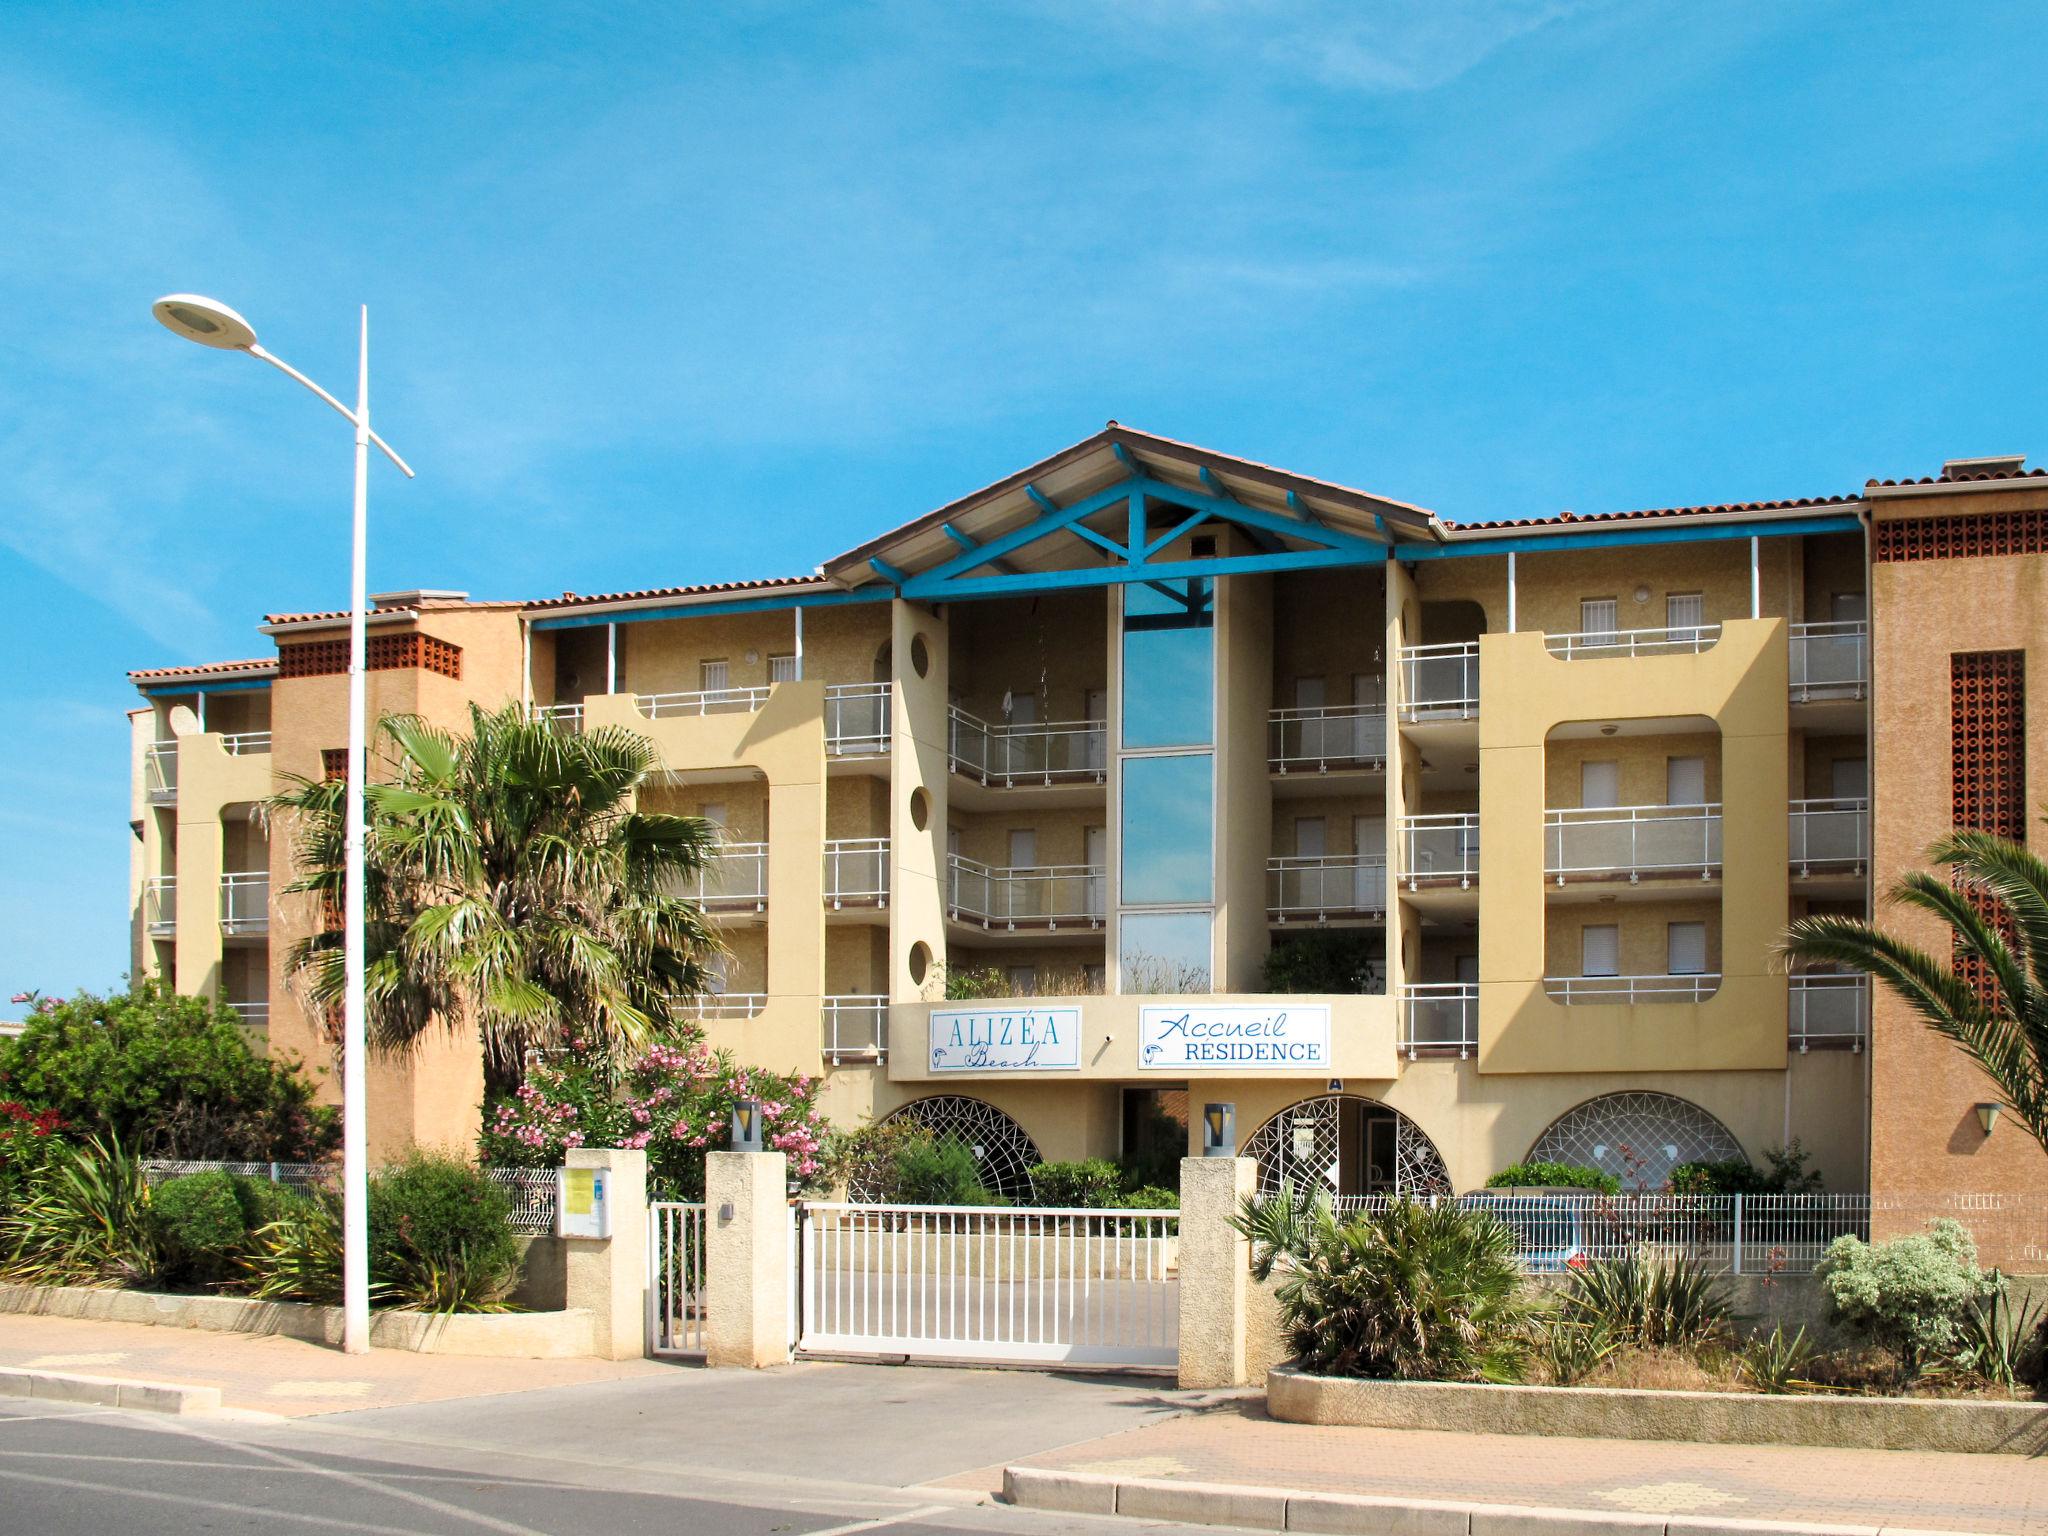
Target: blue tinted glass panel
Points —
{"points": [[1169, 664], [1163, 952], [1169, 821]]}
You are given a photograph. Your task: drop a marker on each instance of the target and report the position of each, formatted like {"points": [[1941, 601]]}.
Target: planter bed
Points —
{"points": [[515, 1335], [1614, 1413]]}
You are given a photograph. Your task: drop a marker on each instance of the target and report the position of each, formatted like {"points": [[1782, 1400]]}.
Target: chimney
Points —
{"points": [[1979, 469]]}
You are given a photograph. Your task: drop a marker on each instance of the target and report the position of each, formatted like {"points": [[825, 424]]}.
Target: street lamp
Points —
{"points": [[213, 324]]}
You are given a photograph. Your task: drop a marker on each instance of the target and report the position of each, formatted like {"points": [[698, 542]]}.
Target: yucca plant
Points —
{"points": [[1570, 1350], [2003, 1339], [1651, 1302], [457, 1281], [84, 1222], [1778, 1362], [297, 1257], [1411, 1292]]}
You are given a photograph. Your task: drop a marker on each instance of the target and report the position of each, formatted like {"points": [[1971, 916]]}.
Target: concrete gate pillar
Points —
{"points": [[1215, 1270], [608, 1275], [747, 1258]]}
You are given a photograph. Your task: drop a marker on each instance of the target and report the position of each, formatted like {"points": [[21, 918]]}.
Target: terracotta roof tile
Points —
{"points": [[266, 664], [581, 599], [1945, 478], [427, 607], [1570, 518]]}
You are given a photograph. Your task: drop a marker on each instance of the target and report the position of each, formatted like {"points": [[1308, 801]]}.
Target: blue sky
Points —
{"points": [[668, 293]]}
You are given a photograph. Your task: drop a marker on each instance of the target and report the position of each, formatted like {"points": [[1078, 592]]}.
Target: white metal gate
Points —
{"points": [[991, 1283], [675, 1278]]}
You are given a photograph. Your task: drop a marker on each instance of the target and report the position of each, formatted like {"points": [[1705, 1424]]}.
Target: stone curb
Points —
{"points": [[1343, 1514], [108, 1391]]}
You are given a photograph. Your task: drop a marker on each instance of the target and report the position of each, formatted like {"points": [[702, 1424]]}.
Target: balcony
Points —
{"points": [[160, 906], [1600, 645], [715, 701], [1440, 682], [1332, 886], [160, 772], [1828, 1011], [1440, 1019], [856, 1029], [1004, 756], [1317, 740], [857, 720], [1830, 837], [566, 718], [1440, 850], [1042, 897], [1633, 989], [1610, 842], [857, 872], [245, 903], [722, 1005], [246, 743], [252, 1015], [1830, 661], [732, 878]]}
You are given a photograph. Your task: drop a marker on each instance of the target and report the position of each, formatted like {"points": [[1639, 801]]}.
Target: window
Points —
{"points": [[714, 812], [1163, 951], [714, 676], [1849, 778], [1847, 607], [1169, 665], [1168, 825], [1685, 781], [1466, 969], [1308, 693], [714, 974], [1683, 614], [1686, 949], [1599, 950], [1308, 837], [1023, 980], [1597, 619], [782, 669], [1599, 784], [1023, 848]]}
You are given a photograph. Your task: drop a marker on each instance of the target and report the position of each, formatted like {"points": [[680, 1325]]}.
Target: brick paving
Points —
{"points": [[284, 1376], [1235, 1442]]}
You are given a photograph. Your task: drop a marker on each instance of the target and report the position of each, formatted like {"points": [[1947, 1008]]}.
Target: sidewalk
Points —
{"points": [[285, 1376], [1234, 1442]]}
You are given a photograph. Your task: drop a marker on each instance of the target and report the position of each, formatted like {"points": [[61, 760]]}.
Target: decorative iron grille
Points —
{"points": [[1005, 1154], [1303, 1143], [1637, 1137]]}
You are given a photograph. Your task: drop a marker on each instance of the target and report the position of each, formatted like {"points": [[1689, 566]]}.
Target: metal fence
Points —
{"points": [[1595, 644], [857, 719], [1349, 736], [1440, 682], [1632, 839], [1830, 661], [1055, 751], [532, 1189], [676, 1292], [1040, 896], [1340, 885]]}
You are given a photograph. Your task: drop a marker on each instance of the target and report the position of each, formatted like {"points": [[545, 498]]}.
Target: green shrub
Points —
{"points": [[1554, 1176], [201, 1226], [1150, 1197], [296, 1255], [863, 1160], [1654, 1303], [1283, 1226], [29, 1141], [2003, 1340], [1570, 1350], [166, 1076], [1096, 1184], [1325, 960], [1730, 1176], [1410, 1292], [940, 1173], [85, 1222], [441, 1235], [1913, 1295]]}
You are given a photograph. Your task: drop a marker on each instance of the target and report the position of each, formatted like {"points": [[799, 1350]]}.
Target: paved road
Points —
{"points": [[84, 1472]]}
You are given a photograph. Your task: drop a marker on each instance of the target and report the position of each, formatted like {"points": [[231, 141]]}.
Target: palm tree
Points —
{"points": [[1997, 908], [511, 887]]}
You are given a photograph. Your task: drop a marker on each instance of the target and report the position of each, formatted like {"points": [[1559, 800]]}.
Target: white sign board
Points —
{"points": [[1015, 1039], [583, 1206], [1235, 1037]]}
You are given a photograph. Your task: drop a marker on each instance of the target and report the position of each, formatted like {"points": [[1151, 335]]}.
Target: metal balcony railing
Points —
{"points": [[1830, 836], [1828, 1009], [245, 903], [566, 718], [732, 878], [1440, 682], [1440, 1017], [246, 743], [1047, 896], [1334, 885], [1056, 752], [1589, 645], [716, 701], [1440, 849], [857, 719], [1316, 740], [160, 772], [252, 1015], [1830, 661], [856, 1029], [160, 905], [723, 1005], [857, 872], [1632, 840], [1633, 989]]}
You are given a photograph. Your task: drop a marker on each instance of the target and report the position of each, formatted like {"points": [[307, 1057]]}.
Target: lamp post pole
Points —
{"points": [[213, 324]]}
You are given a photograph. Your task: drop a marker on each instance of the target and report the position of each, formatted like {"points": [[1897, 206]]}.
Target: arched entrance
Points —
{"points": [[1349, 1146], [1637, 1137], [1004, 1152]]}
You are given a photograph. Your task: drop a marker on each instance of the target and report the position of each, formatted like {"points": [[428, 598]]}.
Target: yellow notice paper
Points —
{"points": [[582, 1190]]}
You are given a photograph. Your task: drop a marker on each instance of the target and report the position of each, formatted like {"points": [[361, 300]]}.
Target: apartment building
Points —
{"points": [[1124, 749]]}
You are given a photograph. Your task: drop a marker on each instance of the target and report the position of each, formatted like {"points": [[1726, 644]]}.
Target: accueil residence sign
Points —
{"points": [[1236, 1037], [1006, 1040]]}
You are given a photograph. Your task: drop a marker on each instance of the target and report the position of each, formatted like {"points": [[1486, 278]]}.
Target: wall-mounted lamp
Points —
{"points": [[1987, 1116], [746, 1126], [1219, 1130]]}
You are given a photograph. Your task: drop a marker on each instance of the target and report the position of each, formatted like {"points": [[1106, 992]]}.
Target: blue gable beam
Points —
{"points": [[1271, 522], [922, 587], [1192, 520], [1061, 517], [1045, 502], [889, 573]]}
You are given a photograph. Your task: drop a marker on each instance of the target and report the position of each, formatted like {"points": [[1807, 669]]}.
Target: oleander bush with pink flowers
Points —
{"points": [[674, 1100]]}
